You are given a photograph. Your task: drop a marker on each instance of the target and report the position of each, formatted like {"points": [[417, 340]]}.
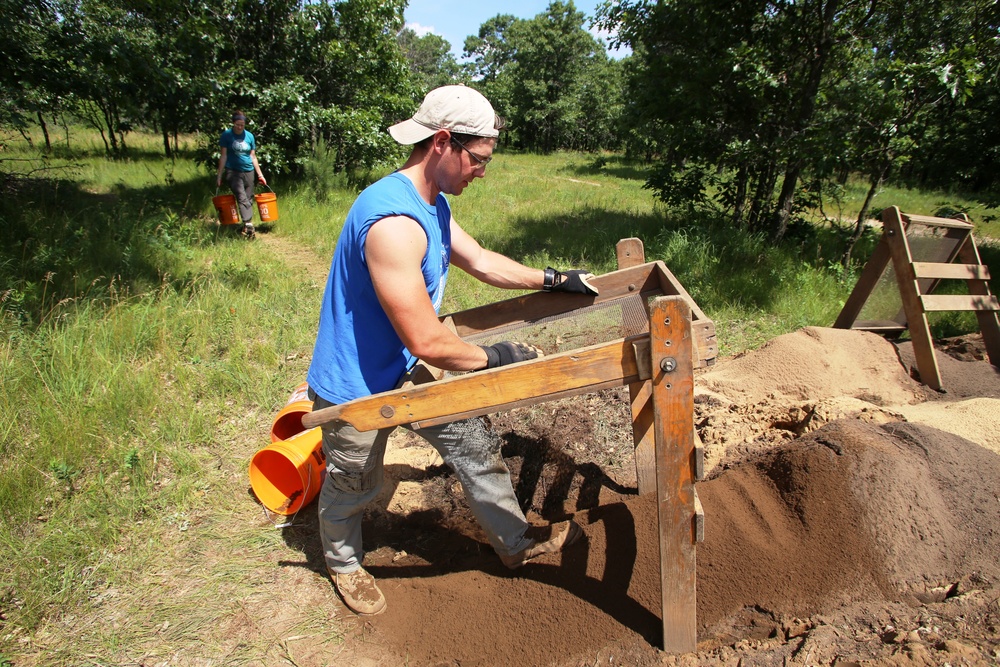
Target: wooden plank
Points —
{"points": [[951, 271], [706, 345], [537, 305], [630, 253], [699, 518], [640, 347], [937, 222], [671, 347], [523, 403], [909, 291], [879, 326], [641, 401], [587, 369], [989, 322], [957, 302]]}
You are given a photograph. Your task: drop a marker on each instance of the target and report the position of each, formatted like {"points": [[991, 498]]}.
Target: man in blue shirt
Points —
{"points": [[380, 314]]}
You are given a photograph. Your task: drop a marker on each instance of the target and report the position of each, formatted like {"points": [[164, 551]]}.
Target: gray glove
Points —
{"points": [[508, 352], [573, 281]]}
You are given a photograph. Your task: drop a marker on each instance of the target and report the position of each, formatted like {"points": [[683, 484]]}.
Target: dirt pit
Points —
{"points": [[852, 516]]}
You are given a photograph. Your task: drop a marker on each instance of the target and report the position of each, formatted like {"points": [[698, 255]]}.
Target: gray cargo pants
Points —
{"points": [[354, 477]]}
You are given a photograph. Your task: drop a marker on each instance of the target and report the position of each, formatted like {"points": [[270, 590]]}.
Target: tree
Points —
{"points": [[430, 59], [28, 79], [106, 51], [744, 91], [551, 78]]}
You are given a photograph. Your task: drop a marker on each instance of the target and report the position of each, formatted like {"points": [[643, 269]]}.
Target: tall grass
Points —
{"points": [[144, 352]]}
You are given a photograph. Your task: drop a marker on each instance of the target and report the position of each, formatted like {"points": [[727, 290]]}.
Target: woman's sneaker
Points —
{"points": [[359, 591], [249, 231]]}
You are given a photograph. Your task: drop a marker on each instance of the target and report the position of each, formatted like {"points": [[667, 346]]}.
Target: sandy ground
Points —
{"points": [[852, 517]]}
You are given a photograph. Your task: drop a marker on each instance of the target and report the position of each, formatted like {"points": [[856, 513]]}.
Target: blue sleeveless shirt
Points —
{"points": [[357, 351]]}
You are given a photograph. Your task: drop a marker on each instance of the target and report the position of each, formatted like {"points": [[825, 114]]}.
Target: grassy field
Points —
{"points": [[145, 352]]}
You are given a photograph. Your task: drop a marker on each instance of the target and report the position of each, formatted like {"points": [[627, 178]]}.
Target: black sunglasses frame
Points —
{"points": [[481, 162]]}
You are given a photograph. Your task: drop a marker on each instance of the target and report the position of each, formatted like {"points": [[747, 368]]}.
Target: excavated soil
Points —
{"points": [[852, 517]]}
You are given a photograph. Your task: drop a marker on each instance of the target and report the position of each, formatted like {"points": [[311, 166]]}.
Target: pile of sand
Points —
{"points": [[835, 492], [813, 364]]}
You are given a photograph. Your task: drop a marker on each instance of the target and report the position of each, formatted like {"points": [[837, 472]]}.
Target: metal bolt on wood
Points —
{"points": [[668, 364]]}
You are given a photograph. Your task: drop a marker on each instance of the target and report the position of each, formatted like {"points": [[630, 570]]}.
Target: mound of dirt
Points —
{"points": [[960, 362], [850, 515], [812, 364]]}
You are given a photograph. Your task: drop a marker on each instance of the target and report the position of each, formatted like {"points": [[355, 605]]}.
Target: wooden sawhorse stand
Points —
{"points": [[656, 362], [917, 281]]}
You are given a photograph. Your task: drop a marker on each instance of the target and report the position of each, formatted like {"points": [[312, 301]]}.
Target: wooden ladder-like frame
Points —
{"points": [[917, 281], [658, 367]]}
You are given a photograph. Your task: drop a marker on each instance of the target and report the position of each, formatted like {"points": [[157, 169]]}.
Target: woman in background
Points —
{"points": [[238, 162]]}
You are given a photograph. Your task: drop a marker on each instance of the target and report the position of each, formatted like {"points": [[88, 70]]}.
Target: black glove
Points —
{"points": [[508, 352], [574, 281]]}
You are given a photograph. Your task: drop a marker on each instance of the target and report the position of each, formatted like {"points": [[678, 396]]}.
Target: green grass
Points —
{"points": [[145, 353]]}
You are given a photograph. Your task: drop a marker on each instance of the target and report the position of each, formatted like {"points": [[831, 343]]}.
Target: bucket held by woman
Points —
{"points": [[267, 205], [225, 206]]}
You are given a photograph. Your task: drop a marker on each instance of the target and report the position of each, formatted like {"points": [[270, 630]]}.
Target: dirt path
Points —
{"points": [[296, 255]]}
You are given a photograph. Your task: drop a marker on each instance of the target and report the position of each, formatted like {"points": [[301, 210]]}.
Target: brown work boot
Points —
{"points": [[545, 540], [359, 591]]}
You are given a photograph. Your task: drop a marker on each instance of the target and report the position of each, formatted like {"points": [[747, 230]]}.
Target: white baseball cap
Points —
{"points": [[455, 108]]}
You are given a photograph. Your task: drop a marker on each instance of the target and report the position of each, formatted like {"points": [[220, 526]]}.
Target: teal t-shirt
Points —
{"points": [[358, 352], [238, 147]]}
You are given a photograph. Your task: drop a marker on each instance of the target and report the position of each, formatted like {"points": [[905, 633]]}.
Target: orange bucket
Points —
{"points": [[226, 207], [267, 206], [285, 476], [288, 422]]}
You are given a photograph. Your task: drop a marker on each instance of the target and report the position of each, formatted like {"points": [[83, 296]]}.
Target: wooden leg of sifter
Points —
{"points": [[673, 405]]}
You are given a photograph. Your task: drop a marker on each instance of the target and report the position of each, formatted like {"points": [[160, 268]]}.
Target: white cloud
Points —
{"points": [[422, 30]]}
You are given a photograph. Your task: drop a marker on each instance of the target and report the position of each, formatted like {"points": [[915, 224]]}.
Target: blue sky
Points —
{"points": [[456, 20]]}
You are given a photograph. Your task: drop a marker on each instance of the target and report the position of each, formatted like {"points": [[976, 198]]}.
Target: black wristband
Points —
{"points": [[549, 281], [492, 356], [507, 352]]}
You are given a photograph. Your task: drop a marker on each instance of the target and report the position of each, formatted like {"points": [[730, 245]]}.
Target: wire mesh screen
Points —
{"points": [[591, 325], [927, 244]]}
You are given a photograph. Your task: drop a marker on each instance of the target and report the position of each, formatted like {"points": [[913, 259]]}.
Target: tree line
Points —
{"points": [[764, 106], [753, 108]]}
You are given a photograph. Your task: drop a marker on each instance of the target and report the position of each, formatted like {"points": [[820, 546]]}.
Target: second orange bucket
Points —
{"points": [[267, 206], [288, 421]]}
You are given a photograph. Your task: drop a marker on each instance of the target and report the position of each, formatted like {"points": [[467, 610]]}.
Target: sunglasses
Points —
{"points": [[481, 162]]}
